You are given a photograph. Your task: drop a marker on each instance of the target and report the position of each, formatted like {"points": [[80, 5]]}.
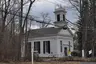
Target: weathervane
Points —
{"points": [[59, 6]]}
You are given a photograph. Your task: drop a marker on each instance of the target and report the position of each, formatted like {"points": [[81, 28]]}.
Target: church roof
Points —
{"points": [[60, 9], [43, 32]]}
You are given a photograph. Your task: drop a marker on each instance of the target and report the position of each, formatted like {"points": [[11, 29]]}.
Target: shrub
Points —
{"points": [[75, 53], [36, 57], [92, 60], [66, 59], [80, 59]]}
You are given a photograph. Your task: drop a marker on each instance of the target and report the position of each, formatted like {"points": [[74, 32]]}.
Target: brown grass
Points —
{"points": [[51, 63], [42, 63]]}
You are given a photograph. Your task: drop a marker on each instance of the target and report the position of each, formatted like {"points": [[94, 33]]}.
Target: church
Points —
{"points": [[52, 41]]}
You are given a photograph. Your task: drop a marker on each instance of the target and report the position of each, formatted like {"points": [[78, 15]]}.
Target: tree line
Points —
{"points": [[13, 28], [87, 26]]}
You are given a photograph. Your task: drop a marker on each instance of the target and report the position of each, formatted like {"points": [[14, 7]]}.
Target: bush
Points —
{"points": [[92, 59], [36, 57], [66, 59], [75, 53], [80, 59]]}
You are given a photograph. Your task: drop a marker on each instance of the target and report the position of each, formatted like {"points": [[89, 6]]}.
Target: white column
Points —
{"points": [[41, 47], [32, 54], [32, 51]]}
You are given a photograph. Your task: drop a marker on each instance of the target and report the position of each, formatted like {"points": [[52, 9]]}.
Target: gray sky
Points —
{"points": [[48, 6]]}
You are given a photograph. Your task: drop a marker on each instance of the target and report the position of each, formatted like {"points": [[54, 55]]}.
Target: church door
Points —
{"points": [[65, 51]]}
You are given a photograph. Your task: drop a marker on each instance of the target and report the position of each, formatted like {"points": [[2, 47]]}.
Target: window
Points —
{"points": [[46, 47], [61, 46], [63, 17], [37, 46], [58, 17]]}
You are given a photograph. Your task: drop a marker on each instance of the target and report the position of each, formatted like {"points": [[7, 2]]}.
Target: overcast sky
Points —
{"points": [[48, 6]]}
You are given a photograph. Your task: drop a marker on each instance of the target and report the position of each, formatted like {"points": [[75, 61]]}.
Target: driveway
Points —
{"points": [[88, 63]]}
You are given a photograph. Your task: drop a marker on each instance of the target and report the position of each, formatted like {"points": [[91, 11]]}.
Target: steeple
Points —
{"points": [[60, 17]]}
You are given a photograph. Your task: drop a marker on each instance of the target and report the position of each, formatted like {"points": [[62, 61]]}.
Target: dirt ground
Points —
{"points": [[50, 63], [58, 63], [42, 63]]}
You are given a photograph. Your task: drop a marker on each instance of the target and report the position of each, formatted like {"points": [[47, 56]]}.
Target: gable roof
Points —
{"points": [[43, 32]]}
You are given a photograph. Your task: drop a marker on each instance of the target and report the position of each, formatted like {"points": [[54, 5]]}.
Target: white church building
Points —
{"points": [[52, 41]]}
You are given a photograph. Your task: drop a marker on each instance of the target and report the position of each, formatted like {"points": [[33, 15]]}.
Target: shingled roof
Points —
{"points": [[43, 32]]}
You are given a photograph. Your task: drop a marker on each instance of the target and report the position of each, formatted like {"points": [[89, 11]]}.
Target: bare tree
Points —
{"points": [[45, 18], [86, 10], [12, 16]]}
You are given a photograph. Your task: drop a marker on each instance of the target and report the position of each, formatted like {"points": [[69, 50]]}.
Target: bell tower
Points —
{"points": [[60, 17]]}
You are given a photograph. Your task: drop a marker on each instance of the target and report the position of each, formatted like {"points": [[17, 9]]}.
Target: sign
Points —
{"points": [[82, 53], [90, 51]]}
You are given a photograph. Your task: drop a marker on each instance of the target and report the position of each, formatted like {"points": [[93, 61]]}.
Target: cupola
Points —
{"points": [[60, 14]]}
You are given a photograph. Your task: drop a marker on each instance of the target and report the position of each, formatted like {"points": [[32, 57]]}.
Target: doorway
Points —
{"points": [[65, 51]]}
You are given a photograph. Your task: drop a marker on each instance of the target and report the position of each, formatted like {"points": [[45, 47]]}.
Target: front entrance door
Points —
{"points": [[65, 51]]}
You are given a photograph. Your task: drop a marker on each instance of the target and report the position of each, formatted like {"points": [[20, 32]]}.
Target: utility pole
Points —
{"points": [[84, 20], [20, 27], [81, 19]]}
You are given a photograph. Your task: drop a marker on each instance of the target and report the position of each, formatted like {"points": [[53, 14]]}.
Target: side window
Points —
{"points": [[61, 46], [37, 46], [46, 47]]}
